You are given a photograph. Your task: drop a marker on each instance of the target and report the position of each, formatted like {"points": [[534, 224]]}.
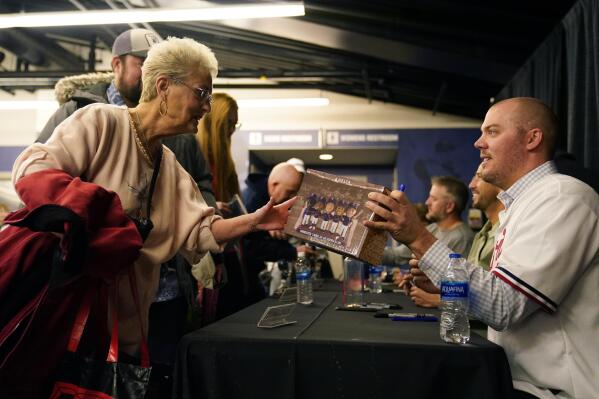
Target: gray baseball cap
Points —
{"points": [[136, 42]]}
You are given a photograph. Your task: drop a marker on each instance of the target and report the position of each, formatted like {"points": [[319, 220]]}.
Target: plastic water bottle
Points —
{"points": [[455, 326], [374, 280], [305, 295], [353, 282]]}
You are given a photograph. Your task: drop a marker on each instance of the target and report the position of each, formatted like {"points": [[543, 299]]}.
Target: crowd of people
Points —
{"points": [[153, 132]]}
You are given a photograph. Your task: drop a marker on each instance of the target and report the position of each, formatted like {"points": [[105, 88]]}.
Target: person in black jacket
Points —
{"points": [[282, 183]]}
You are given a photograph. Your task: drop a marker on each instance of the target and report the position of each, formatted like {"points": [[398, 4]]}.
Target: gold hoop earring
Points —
{"points": [[163, 108]]}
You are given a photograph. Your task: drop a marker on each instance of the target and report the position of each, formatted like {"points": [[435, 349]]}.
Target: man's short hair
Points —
{"points": [[534, 113], [135, 42], [455, 188]]}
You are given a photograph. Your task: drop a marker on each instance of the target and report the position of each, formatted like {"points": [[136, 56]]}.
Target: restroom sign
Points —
{"points": [[284, 139], [362, 138]]}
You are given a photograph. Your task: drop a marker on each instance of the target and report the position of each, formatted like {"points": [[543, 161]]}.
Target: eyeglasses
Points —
{"points": [[204, 95]]}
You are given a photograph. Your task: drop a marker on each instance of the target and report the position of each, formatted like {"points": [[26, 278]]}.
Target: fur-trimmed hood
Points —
{"points": [[73, 86]]}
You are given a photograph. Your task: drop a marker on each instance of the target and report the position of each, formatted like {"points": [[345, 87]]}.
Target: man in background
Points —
{"points": [[446, 201], [484, 197], [122, 87], [282, 183]]}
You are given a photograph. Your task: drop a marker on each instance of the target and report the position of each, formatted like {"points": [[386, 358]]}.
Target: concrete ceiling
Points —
{"points": [[444, 56]]}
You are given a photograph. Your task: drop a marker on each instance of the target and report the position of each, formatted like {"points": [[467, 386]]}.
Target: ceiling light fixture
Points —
{"points": [[103, 17], [283, 102], [325, 157]]}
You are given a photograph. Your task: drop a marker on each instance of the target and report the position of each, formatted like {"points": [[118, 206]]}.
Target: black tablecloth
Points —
{"points": [[336, 354]]}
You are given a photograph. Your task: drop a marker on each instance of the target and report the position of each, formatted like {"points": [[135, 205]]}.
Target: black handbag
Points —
{"points": [[82, 377]]}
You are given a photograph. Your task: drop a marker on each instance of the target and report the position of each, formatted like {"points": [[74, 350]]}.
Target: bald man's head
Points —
{"points": [[283, 182], [529, 113]]}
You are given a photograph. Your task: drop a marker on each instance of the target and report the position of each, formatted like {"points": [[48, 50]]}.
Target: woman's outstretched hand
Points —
{"points": [[273, 217], [269, 217]]}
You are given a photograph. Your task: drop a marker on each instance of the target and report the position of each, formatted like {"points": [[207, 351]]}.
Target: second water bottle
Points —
{"points": [[455, 326], [305, 296]]}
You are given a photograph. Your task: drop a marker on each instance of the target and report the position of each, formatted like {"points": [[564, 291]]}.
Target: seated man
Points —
{"points": [[283, 183], [540, 297], [446, 201], [484, 197]]}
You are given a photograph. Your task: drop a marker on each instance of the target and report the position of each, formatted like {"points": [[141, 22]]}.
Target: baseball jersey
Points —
{"points": [[547, 247]]}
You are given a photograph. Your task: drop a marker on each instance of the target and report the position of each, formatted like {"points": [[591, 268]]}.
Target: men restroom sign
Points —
{"points": [[361, 138], [284, 139]]}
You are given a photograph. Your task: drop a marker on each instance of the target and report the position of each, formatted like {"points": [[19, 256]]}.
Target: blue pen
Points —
{"points": [[413, 317], [402, 187]]}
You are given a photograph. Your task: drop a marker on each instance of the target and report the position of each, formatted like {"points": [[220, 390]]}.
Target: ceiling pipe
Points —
{"points": [[11, 42]]}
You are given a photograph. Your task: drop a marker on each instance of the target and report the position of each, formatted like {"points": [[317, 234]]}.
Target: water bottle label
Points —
{"points": [[454, 289], [305, 275]]}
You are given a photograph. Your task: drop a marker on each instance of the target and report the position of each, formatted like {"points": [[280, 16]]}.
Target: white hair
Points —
{"points": [[177, 58]]}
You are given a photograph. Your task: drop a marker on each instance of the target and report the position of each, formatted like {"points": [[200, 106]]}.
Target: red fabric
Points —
{"points": [[114, 245], [111, 231], [63, 389]]}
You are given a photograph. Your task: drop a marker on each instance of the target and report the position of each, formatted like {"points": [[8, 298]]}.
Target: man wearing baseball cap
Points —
{"points": [[129, 51], [122, 87]]}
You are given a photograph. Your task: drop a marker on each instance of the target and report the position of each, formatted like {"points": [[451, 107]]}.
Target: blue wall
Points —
{"points": [[424, 153]]}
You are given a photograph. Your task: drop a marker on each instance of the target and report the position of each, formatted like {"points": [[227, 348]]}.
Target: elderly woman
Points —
{"points": [[115, 147]]}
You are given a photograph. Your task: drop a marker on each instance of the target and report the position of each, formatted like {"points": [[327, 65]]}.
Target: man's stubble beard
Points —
{"points": [[132, 94]]}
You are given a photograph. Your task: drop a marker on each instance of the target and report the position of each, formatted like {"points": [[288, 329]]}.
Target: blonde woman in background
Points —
{"points": [[214, 135]]}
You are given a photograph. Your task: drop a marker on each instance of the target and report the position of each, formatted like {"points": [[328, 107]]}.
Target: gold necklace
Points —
{"points": [[140, 143]]}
